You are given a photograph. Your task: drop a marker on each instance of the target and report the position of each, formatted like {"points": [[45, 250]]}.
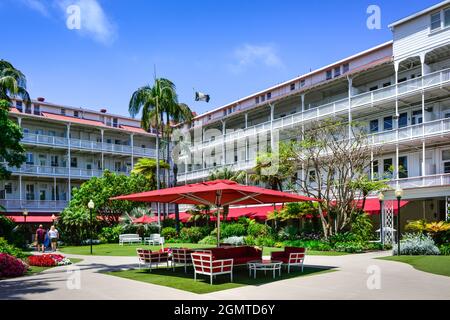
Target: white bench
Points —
{"points": [[154, 239], [129, 238]]}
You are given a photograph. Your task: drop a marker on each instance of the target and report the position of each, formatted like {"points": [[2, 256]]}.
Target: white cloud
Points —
{"points": [[37, 5], [249, 55], [94, 21]]}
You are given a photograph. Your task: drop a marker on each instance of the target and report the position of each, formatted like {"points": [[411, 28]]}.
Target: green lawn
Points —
{"points": [[432, 264], [34, 270], [185, 281], [114, 249]]}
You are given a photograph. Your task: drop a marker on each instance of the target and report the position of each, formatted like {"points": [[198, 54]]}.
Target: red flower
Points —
{"points": [[11, 266]]}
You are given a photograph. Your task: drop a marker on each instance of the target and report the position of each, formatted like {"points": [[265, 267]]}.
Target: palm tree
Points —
{"points": [[147, 167], [12, 83], [265, 172], [225, 173]]}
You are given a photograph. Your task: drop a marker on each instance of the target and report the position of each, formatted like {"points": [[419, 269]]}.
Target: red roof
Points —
{"points": [[31, 219], [133, 129], [372, 206], [61, 117]]}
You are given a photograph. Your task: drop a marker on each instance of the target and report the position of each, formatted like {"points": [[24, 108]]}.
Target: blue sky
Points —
{"points": [[227, 48]]}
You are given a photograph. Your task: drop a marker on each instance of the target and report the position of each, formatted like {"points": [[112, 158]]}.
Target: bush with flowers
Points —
{"points": [[48, 260], [11, 266]]}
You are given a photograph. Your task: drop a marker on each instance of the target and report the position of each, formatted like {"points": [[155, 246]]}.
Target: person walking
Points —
{"points": [[53, 234], [40, 238]]}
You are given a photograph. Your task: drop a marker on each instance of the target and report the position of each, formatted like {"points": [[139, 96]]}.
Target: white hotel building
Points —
{"points": [[400, 88], [66, 146]]}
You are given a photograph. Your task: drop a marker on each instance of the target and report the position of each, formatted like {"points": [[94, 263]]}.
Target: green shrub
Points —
{"points": [[234, 241], [417, 244], [288, 233], [342, 237], [350, 247], [265, 241], [14, 234], [168, 222], [110, 234], [249, 240], [192, 234], [169, 233], [258, 230], [232, 230], [7, 248], [317, 245], [362, 227], [445, 249], [208, 240]]}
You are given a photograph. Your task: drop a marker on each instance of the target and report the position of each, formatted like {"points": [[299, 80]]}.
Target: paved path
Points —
{"points": [[398, 281]]}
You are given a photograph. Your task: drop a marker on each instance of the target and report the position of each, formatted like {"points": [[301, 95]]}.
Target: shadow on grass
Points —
{"points": [[178, 279]]}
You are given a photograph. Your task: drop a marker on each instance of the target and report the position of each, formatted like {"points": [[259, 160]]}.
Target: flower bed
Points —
{"points": [[48, 260], [11, 266]]}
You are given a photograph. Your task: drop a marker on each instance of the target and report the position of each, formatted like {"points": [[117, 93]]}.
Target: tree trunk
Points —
{"points": [[177, 209]]}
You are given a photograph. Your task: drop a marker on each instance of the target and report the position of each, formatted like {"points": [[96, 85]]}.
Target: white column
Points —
{"points": [[350, 93], [68, 162], [397, 175], [272, 115], [396, 67], [224, 128], [132, 151], [102, 132], [246, 120], [422, 63], [19, 121], [371, 165], [423, 159], [20, 190]]}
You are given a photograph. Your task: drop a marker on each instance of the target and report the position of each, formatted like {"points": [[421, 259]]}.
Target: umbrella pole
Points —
{"points": [[218, 226]]}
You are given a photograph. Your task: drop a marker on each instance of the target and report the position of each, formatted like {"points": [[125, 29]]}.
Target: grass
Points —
{"points": [[35, 270], [432, 264], [113, 249], [185, 281]]}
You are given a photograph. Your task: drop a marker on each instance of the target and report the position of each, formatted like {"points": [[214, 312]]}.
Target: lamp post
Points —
{"points": [[91, 206], [381, 199], [25, 214], [398, 195]]}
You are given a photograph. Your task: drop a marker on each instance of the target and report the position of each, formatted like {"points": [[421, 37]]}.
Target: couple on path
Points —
{"points": [[44, 238]]}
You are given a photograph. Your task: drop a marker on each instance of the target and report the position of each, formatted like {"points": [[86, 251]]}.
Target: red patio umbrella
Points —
{"points": [[145, 219], [216, 193]]}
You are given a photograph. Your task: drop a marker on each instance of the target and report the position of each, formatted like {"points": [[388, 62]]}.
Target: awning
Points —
{"points": [[372, 206], [31, 219]]}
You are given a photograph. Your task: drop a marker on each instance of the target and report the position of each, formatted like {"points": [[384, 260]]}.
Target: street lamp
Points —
{"points": [[91, 206], [398, 195], [25, 214], [381, 199]]}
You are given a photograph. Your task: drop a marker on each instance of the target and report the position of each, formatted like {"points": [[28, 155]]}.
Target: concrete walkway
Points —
{"points": [[349, 281]]}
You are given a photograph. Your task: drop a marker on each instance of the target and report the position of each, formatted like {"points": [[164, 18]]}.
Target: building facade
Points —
{"points": [[400, 89], [66, 146]]}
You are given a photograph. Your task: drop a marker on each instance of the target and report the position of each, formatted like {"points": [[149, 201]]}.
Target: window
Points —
{"points": [[329, 74], [88, 166], [29, 191], [402, 80], [42, 160], [19, 105], [76, 114], [386, 84], [63, 112], [374, 127], [30, 159], [269, 95], [37, 109], [373, 88], [435, 21], [42, 195], [345, 68], [302, 83], [257, 100], [403, 120], [375, 169], [446, 160], [387, 123], [312, 176], [115, 122], [8, 188], [337, 71], [403, 167], [117, 166], [387, 165], [28, 108], [416, 117], [263, 98], [99, 164], [292, 86], [117, 142], [447, 17], [54, 161], [74, 162]]}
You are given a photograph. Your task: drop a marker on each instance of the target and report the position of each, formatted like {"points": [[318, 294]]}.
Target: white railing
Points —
{"points": [[202, 173], [31, 138], [425, 130], [59, 171], [16, 204], [367, 98], [436, 180]]}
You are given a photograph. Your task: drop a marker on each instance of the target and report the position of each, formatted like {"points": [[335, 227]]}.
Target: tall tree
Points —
{"points": [[12, 84], [147, 168], [269, 171], [225, 173]]}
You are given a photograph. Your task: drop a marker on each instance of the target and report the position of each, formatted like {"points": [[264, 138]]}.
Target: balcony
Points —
{"points": [[203, 173], [16, 204], [438, 180], [59, 171], [423, 130], [94, 146], [428, 81]]}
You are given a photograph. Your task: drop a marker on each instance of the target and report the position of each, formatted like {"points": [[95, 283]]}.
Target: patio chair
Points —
{"points": [[182, 257], [150, 258], [291, 256], [205, 264]]}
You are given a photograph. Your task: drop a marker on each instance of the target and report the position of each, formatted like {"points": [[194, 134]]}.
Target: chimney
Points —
{"points": [[41, 99]]}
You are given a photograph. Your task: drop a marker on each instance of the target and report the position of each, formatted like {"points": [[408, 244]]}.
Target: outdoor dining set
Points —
{"points": [[221, 260]]}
